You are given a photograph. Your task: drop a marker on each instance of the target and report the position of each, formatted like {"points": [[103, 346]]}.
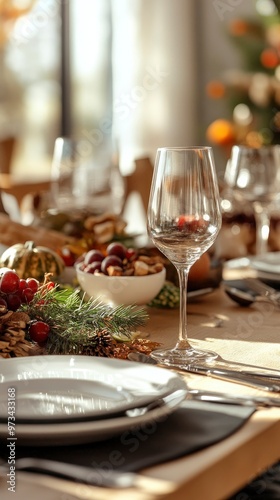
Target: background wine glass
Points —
{"points": [[184, 219], [84, 178], [63, 173], [253, 175]]}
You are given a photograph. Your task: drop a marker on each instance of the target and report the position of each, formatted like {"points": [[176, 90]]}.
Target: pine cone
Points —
{"points": [[106, 346], [12, 334], [103, 346]]}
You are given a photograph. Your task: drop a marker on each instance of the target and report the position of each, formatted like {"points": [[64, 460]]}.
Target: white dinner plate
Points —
{"points": [[266, 266], [61, 398], [267, 263], [123, 384]]}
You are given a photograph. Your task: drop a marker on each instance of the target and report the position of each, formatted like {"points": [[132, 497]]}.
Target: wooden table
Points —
{"points": [[247, 335]]}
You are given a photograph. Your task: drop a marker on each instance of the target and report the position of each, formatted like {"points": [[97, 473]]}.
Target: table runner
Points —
{"points": [[192, 427]]}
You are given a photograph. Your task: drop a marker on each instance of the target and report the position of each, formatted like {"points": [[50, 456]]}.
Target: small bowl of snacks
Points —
{"points": [[120, 275]]}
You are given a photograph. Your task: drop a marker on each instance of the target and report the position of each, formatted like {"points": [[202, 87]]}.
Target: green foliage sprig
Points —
{"points": [[78, 326]]}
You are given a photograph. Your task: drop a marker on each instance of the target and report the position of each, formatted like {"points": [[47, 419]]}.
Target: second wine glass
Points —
{"points": [[253, 176], [184, 219]]}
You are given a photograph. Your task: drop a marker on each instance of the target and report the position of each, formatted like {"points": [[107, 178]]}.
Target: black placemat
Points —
{"points": [[192, 427]]}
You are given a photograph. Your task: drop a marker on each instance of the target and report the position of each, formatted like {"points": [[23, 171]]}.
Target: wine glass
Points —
{"points": [[253, 175], [64, 174], [85, 179], [184, 219]]}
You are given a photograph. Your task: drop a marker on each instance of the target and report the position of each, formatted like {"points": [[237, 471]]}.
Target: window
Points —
{"points": [[32, 63]]}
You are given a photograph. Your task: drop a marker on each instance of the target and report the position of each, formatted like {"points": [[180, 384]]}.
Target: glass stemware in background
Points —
{"points": [[253, 175], [63, 173], [184, 219], [83, 179]]}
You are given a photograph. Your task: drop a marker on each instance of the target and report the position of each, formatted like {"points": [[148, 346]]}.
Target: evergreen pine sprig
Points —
{"points": [[78, 326]]}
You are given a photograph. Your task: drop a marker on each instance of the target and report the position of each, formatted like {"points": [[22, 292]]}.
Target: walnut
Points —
{"points": [[156, 259], [114, 271], [141, 268], [104, 232], [128, 272], [94, 220], [105, 226], [156, 268]]}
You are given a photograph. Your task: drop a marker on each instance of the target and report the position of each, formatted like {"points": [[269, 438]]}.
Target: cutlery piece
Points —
{"points": [[256, 380], [88, 475], [244, 299], [258, 286], [219, 397], [265, 384], [251, 380], [201, 291], [171, 400], [259, 371]]}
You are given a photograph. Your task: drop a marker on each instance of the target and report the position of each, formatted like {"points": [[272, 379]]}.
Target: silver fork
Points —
{"points": [[264, 290], [84, 474]]}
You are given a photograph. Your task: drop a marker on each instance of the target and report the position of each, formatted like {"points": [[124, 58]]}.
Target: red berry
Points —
{"points": [[117, 249], [13, 301], [191, 224], [22, 285], [68, 257], [131, 254], [27, 295], [9, 282], [39, 331], [50, 285], [33, 284]]}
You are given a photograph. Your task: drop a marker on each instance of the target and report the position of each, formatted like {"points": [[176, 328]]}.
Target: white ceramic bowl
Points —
{"points": [[126, 290]]}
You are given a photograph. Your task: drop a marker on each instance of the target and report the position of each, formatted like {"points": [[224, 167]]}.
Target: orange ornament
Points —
{"points": [[238, 27], [269, 58], [221, 132], [215, 89]]}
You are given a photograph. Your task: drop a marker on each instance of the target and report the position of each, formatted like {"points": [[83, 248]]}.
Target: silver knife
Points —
{"points": [[264, 383], [219, 397], [80, 473], [257, 380]]}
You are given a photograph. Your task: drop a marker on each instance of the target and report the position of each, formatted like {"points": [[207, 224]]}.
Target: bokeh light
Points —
{"points": [[242, 114]]}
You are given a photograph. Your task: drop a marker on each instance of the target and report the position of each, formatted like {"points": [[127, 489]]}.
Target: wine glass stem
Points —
{"points": [[262, 230], [183, 273]]}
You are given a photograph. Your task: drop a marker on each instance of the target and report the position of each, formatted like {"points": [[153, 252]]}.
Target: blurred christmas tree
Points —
{"points": [[252, 93]]}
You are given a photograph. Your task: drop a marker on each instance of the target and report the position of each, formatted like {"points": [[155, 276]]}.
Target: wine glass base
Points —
{"points": [[181, 357]]}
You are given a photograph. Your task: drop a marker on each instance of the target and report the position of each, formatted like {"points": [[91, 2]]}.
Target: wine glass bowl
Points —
{"points": [[184, 219], [84, 179], [253, 176]]}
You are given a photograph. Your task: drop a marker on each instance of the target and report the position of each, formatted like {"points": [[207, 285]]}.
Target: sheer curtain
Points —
{"points": [[134, 74], [133, 77], [153, 76]]}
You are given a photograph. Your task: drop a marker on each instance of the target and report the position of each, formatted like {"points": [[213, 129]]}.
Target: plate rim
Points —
{"points": [[84, 432], [124, 405], [44, 433], [247, 262]]}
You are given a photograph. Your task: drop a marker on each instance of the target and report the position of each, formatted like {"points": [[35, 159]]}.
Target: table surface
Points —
{"points": [[248, 335]]}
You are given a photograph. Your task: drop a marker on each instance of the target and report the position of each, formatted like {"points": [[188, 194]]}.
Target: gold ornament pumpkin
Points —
{"points": [[30, 261]]}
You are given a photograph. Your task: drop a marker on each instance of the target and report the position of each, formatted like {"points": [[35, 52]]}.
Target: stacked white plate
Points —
{"points": [[75, 399], [266, 266]]}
